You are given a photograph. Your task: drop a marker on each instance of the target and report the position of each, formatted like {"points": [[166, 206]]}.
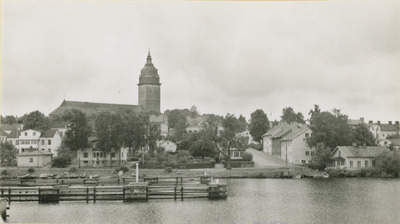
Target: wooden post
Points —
{"points": [[182, 193], [9, 194], [181, 180], [147, 192], [87, 194], [175, 193], [123, 194], [94, 193], [39, 194], [2, 192]]}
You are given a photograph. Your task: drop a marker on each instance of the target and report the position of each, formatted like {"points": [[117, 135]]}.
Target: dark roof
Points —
{"points": [[149, 74], [3, 133], [13, 134], [35, 153], [90, 108], [10, 126], [296, 130], [355, 121], [394, 141], [389, 127], [277, 128], [49, 133], [357, 152]]}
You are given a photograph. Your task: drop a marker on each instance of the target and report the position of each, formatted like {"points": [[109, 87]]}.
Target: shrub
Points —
{"points": [[246, 156], [73, 170], [59, 162], [31, 170], [168, 169], [122, 168], [4, 173]]}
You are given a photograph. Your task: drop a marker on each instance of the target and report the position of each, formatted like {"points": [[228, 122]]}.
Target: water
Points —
{"points": [[256, 201]]}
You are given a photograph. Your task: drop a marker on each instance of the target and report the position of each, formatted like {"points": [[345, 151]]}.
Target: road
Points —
{"points": [[261, 159]]}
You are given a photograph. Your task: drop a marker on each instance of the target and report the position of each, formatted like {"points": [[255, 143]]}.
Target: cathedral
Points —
{"points": [[149, 96]]}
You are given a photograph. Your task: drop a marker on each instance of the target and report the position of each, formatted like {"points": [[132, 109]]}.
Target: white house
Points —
{"points": [[50, 141], [28, 140], [382, 131], [162, 120], [355, 157], [294, 147], [168, 145], [271, 139]]}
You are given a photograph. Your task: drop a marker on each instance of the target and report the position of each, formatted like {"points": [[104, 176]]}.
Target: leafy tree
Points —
{"points": [[8, 153], [76, 136], [228, 139], [361, 135], [210, 124], [259, 124], [36, 120], [9, 119], [388, 163], [246, 156], [331, 129], [194, 112], [153, 134], [109, 130], [290, 116], [242, 123], [321, 157], [203, 146]]}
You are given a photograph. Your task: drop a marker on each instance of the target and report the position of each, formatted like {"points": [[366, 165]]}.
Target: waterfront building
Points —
{"points": [[94, 157], [168, 145], [32, 158], [381, 131], [34, 140], [294, 146], [355, 157]]}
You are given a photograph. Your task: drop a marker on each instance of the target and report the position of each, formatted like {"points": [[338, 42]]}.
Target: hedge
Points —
{"points": [[157, 165], [240, 164]]}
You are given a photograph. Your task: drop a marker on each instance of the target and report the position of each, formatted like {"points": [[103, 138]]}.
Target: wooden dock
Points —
{"points": [[150, 188]]}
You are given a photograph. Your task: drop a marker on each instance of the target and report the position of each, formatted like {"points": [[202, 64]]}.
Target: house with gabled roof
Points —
{"points": [[381, 131], [355, 157], [294, 146], [50, 141]]}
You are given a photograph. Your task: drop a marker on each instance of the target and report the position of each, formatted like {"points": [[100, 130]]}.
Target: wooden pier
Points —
{"points": [[150, 188]]}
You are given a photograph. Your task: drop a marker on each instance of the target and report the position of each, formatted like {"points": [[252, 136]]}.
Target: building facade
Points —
{"points": [[355, 157], [34, 158]]}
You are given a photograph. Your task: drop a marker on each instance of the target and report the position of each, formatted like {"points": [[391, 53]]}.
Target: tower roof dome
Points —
{"points": [[149, 74]]}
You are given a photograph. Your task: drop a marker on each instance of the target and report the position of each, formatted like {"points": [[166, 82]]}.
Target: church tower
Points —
{"points": [[149, 87]]}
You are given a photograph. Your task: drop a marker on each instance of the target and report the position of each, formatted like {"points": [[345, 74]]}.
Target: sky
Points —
{"points": [[223, 57]]}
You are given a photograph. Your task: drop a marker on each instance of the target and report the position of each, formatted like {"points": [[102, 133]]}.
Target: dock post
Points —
{"points": [[217, 190], [123, 194], [9, 194], [39, 195], [94, 193], [181, 193], [147, 193], [87, 194], [175, 193]]}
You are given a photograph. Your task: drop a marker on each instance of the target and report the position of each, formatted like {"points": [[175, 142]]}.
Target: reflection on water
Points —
{"points": [[261, 201]]}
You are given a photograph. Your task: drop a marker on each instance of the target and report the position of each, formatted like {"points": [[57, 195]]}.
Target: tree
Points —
{"points": [[259, 124], [331, 129], [203, 146], [36, 120], [361, 135], [388, 163], [109, 130], [153, 134], [210, 124], [321, 157], [8, 153], [289, 116], [76, 136], [242, 123], [194, 112], [9, 119], [228, 139]]}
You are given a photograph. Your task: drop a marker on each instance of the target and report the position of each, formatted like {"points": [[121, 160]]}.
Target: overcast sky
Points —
{"points": [[223, 57]]}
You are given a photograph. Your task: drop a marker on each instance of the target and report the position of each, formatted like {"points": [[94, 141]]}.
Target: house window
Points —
{"points": [[26, 133], [307, 153], [113, 155], [303, 162], [94, 154], [366, 163], [42, 141], [31, 160], [307, 135], [85, 162], [358, 163], [49, 142], [312, 153], [85, 155], [101, 155], [351, 163], [34, 133]]}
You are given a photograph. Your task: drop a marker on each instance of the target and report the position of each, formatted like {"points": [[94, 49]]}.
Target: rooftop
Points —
{"points": [[360, 151]]}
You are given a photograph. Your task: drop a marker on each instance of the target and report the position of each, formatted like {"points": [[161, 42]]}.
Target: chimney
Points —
{"points": [[362, 119], [369, 122], [390, 122], [378, 122]]}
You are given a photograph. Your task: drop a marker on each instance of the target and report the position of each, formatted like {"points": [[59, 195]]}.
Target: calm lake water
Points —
{"points": [[257, 201]]}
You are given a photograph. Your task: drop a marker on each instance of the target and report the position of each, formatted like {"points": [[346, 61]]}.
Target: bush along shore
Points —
{"points": [[365, 172]]}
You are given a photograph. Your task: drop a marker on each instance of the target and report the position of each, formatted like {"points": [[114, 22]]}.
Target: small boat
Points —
{"points": [[298, 175], [325, 175]]}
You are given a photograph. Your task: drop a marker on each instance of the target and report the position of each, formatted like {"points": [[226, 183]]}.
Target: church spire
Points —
{"points": [[148, 59]]}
